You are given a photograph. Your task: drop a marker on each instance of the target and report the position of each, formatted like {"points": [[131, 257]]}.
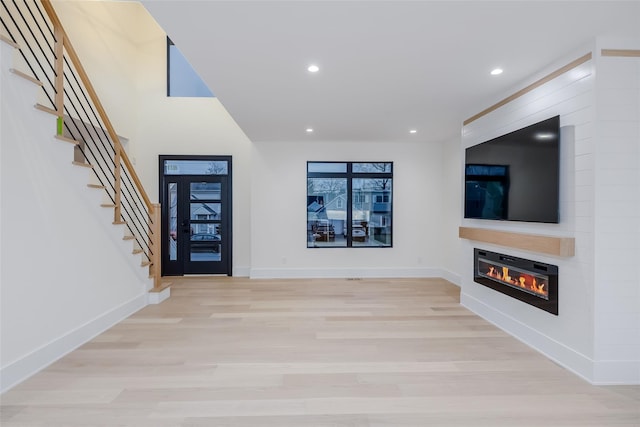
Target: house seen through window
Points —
{"points": [[349, 204]]}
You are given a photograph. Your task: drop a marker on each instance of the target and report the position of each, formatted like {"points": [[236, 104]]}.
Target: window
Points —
{"points": [[182, 79], [349, 204]]}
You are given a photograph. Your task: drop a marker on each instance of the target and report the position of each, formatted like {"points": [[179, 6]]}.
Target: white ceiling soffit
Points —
{"points": [[385, 66]]}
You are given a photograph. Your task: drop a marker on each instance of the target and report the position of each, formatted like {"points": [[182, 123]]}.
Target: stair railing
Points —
{"points": [[46, 51]]}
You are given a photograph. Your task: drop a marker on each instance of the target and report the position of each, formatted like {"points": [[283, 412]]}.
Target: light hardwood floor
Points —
{"points": [[240, 352]]}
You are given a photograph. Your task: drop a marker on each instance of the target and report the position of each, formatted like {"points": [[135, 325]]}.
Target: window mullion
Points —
{"points": [[349, 221], [349, 206]]}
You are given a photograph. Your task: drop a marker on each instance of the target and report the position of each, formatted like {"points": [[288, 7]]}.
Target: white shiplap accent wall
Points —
{"points": [[617, 221], [597, 331], [568, 337]]}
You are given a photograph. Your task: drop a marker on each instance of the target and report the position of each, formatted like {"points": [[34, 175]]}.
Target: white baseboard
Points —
{"points": [[616, 372], [241, 271], [21, 369], [454, 278], [570, 359], [336, 273]]}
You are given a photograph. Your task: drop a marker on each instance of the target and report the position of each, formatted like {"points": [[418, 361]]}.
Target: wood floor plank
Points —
{"points": [[277, 353]]}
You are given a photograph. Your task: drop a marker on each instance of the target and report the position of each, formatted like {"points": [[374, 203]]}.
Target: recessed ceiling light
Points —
{"points": [[313, 68], [545, 135], [413, 131], [496, 71], [309, 130]]}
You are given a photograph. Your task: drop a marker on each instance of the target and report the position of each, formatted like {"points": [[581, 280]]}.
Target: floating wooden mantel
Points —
{"points": [[551, 245]]}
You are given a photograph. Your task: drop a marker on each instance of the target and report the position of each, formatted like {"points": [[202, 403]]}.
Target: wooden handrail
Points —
{"points": [[96, 101]]}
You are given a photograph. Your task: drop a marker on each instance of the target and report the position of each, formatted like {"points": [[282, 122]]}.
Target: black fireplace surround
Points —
{"points": [[532, 282]]}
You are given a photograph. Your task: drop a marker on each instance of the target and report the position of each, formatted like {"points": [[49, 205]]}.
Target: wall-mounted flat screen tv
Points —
{"points": [[515, 177]]}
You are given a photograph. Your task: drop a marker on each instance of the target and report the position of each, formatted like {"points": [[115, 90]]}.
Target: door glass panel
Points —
{"points": [[205, 190], [173, 220], [205, 241], [205, 247], [205, 231], [205, 211], [196, 167]]}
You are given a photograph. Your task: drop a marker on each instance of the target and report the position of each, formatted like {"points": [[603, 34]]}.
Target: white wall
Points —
{"points": [[617, 216], [451, 197], [103, 35], [124, 52], [279, 215], [66, 273], [590, 335]]}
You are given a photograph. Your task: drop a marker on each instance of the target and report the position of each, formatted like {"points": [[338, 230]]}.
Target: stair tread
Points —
{"points": [[136, 251], [8, 41], [108, 205], [128, 238], [25, 76], [99, 186], [84, 165], [162, 287], [65, 139], [46, 109]]}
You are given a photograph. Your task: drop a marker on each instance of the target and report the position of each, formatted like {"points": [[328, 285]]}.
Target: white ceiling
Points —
{"points": [[385, 66]]}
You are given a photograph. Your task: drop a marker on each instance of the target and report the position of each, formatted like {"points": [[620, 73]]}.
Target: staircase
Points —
{"points": [[45, 56], [80, 239]]}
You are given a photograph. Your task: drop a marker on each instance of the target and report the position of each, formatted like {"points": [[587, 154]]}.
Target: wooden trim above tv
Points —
{"points": [[550, 245], [629, 53], [532, 86]]}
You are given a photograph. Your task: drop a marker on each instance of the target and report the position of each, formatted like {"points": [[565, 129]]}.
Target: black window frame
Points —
{"points": [[349, 175], [168, 61]]}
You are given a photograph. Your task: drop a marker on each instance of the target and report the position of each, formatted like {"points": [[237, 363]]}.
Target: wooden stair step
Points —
{"points": [[65, 139], [108, 205], [98, 186], [46, 109], [145, 263], [128, 238], [136, 251], [119, 222], [84, 165], [8, 41], [162, 287], [25, 76]]}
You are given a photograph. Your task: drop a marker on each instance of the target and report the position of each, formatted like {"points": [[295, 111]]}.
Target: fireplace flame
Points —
{"points": [[523, 280]]}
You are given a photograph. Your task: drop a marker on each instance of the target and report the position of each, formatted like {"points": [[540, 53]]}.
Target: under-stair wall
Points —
{"points": [[67, 273]]}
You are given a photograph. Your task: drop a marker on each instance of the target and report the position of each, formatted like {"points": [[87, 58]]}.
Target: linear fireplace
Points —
{"points": [[529, 281]]}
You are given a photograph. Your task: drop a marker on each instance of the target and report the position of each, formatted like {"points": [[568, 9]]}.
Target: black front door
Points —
{"points": [[196, 215]]}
